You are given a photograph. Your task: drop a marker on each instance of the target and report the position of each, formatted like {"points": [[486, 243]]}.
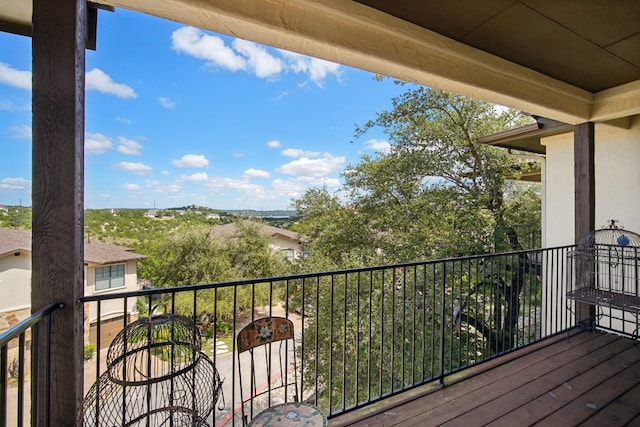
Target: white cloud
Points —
{"points": [[129, 146], [264, 64], [288, 187], [209, 48], [248, 56], [378, 145], [20, 132], [135, 168], [299, 152], [131, 187], [96, 143], [97, 79], [7, 105], [274, 144], [238, 155], [319, 167], [316, 69], [242, 185], [123, 120], [196, 177], [165, 173], [257, 173], [171, 188], [15, 184], [20, 79], [151, 182], [191, 161], [167, 103]]}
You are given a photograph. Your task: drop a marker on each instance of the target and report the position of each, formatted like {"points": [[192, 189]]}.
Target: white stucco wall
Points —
{"points": [[617, 176], [111, 308], [15, 282], [15, 287], [278, 243]]}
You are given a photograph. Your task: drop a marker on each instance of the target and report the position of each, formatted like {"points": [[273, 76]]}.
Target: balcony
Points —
{"points": [[488, 337]]}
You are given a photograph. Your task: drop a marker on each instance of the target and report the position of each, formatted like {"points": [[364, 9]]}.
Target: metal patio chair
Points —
{"points": [[266, 351]]}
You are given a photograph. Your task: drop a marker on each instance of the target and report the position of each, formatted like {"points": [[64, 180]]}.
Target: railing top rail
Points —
{"points": [[200, 287], [35, 318]]}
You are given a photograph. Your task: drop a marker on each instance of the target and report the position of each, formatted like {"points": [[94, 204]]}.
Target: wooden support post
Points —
{"points": [[58, 49], [585, 205]]}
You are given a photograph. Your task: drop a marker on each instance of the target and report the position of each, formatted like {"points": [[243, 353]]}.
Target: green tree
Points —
{"points": [[197, 258], [437, 193]]}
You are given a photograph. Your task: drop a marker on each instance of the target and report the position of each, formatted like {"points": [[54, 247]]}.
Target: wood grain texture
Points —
{"points": [[58, 41]]}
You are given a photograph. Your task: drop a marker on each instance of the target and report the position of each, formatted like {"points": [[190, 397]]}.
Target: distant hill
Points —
{"points": [[261, 214]]}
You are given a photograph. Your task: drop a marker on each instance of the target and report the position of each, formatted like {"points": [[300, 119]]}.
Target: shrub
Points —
{"points": [[89, 349]]}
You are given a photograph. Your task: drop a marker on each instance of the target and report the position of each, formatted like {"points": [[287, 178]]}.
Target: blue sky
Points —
{"points": [[179, 116]]}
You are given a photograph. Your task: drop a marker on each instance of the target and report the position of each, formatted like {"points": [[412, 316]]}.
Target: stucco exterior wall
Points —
{"points": [[15, 291], [279, 243], [111, 308], [15, 282], [617, 175]]}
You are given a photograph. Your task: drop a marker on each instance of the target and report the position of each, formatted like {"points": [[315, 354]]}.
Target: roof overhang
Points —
{"points": [[527, 138], [15, 17]]}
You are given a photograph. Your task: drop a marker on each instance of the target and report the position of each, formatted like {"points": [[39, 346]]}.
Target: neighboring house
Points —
{"points": [[289, 243], [151, 213], [107, 268]]}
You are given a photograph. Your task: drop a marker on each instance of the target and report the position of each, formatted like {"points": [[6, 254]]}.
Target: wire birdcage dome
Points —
{"points": [[182, 400], [611, 235], [174, 340], [156, 375]]}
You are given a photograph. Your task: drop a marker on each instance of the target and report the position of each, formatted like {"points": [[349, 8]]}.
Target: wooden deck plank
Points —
{"points": [[484, 405], [622, 411], [592, 378], [489, 374], [553, 399], [588, 404], [451, 391], [524, 357]]}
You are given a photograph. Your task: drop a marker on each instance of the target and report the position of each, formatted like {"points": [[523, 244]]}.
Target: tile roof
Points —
{"points": [[229, 230], [95, 252]]}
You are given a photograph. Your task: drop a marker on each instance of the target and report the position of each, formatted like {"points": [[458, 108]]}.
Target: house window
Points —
{"points": [[109, 277], [289, 254]]}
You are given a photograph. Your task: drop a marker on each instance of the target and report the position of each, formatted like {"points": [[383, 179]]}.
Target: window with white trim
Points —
{"points": [[289, 254], [109, 277]]}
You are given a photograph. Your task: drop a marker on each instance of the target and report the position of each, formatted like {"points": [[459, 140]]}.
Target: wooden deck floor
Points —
{"points": [[592, 379]]}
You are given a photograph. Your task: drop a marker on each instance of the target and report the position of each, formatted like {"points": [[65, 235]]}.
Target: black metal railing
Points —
{"points": [[363, 334], [19, 376]]}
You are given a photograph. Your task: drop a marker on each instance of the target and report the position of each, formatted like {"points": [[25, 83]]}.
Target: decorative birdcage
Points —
{"points": [[604, 268], [156, 375]]}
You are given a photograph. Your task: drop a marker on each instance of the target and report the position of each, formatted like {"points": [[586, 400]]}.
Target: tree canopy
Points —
{"points": [[437, 192]]}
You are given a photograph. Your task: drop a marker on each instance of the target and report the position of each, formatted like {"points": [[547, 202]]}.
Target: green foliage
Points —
{"points": [[89, 350], [16, 217], [197, 258], [437, 193]]}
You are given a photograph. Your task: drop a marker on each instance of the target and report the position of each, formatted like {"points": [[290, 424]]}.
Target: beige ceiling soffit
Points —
{"points": [[621, 101], [349, 33]]}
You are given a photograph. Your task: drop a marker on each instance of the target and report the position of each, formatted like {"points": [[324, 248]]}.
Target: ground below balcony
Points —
{"points": [[589, 379]]}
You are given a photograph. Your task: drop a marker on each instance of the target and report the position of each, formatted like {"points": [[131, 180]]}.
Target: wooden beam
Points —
{"points": [[585, 203], [58, 49], [368, 39]]}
